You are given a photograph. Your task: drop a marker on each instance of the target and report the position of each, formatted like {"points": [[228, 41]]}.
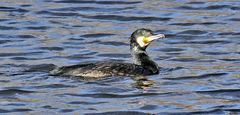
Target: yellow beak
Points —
{"points": [[154, 37], [146, 40]]}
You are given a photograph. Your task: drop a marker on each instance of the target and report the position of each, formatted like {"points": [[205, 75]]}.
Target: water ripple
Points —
{"points": [[119, 113], [92, 9], [15, 110], [14, 91], [98, 2], [96, 35], [126, 18], [8, 28], [105, 95], [211, 7], [11, 9], [198, 77], [193, 32], [191, 24]]}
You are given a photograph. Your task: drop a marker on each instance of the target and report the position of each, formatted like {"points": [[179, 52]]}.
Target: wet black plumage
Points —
{"points": [[142, 65]]}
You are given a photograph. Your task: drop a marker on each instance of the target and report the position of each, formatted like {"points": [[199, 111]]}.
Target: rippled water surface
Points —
{"points": [[199, 59]]}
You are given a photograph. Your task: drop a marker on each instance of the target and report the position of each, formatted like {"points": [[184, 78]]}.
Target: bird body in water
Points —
{"points": [[142, 65]]}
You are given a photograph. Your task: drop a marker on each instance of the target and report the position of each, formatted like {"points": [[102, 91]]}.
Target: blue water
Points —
{"points": [[199, 58]]}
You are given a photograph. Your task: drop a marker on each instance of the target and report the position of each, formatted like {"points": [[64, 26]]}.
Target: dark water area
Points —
{"points": [[199, 59]]}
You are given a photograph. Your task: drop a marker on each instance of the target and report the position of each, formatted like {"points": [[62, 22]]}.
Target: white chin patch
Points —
{"points": [[140, 41]]}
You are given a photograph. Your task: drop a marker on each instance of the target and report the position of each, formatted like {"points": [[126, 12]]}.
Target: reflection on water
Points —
{"points": [[199, 58]]}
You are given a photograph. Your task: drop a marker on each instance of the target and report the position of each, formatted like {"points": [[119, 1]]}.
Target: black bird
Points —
{"points": [[142, 65]]}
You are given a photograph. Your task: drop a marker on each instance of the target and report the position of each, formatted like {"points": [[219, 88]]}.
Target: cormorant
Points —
{"points": [[141, 66]]}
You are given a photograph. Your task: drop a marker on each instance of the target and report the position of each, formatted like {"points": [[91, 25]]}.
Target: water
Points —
{"points": [[200, 57]]}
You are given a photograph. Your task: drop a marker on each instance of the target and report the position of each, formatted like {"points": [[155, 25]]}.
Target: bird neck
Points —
{"points": [[140, 57]]}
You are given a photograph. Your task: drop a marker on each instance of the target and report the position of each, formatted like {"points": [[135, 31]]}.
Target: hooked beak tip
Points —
{"points": [[158, 36]]}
